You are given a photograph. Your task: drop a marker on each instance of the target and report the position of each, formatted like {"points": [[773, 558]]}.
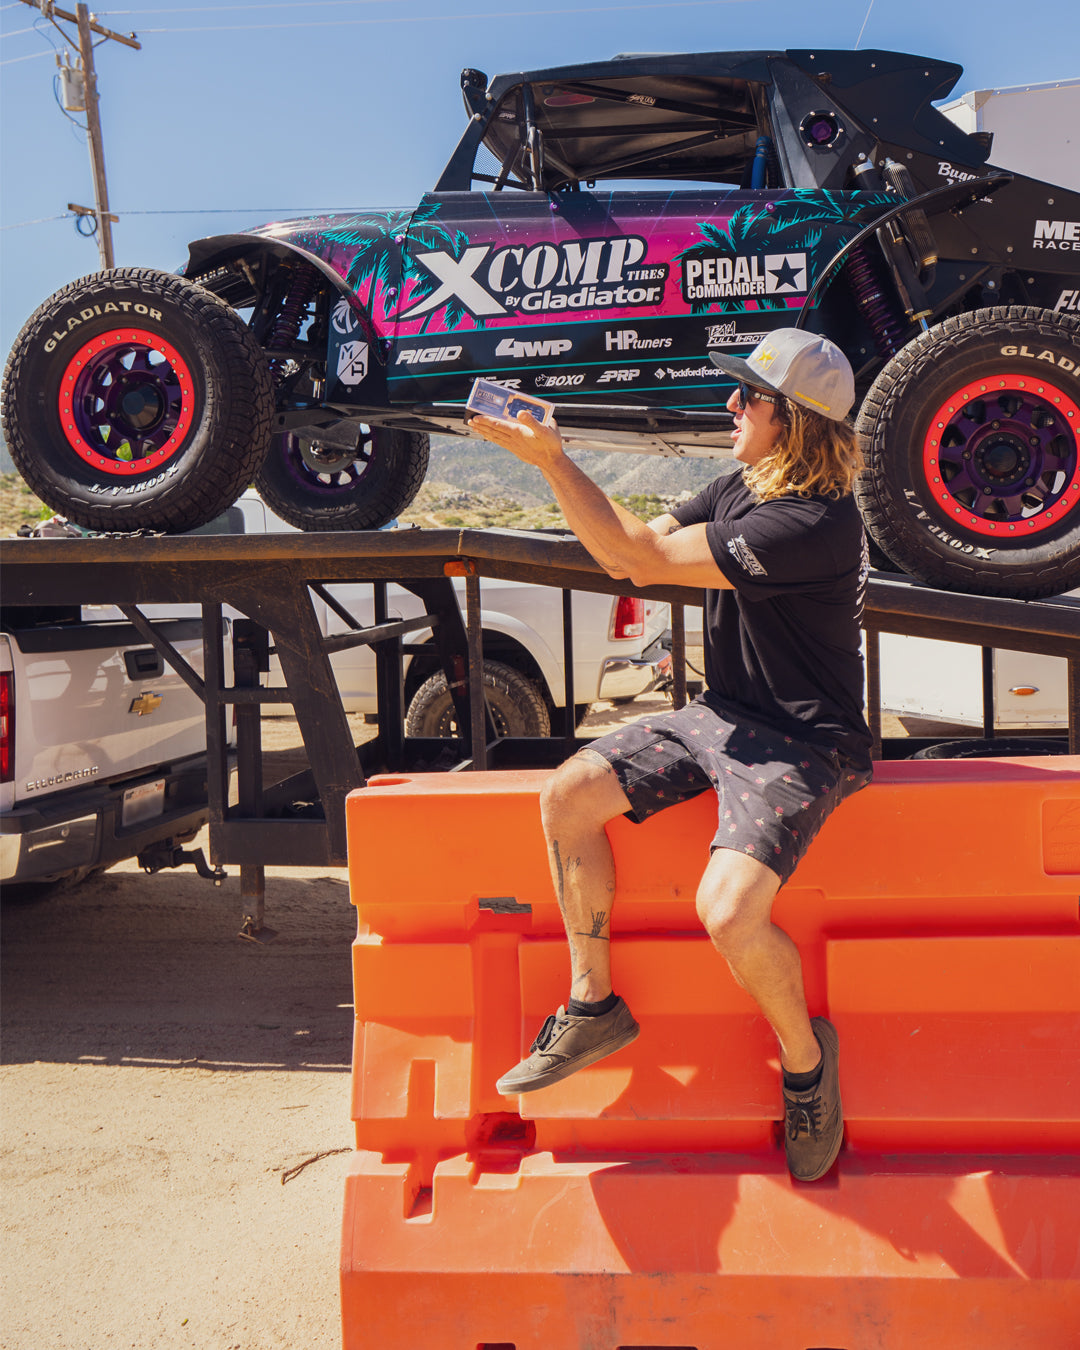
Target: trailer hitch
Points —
{"points": [[162, 855]]}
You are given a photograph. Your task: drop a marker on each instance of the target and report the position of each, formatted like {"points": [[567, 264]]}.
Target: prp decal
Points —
{"points": [[352, 362]]}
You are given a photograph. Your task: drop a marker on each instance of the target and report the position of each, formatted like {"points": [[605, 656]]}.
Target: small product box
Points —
{"points": [[492, 400]]}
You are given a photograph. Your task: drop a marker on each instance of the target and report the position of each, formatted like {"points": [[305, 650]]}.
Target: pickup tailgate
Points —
{"points": [[93, 702]]}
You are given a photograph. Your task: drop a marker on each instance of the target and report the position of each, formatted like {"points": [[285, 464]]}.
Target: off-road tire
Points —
{"points": [[360, 489], [1017, 369], [137, 400], [517, 706]]}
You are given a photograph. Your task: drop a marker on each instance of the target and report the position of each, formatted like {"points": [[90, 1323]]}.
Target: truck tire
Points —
{"points": [[137, 400], [971, 436], [517, 707], [350, 476]]}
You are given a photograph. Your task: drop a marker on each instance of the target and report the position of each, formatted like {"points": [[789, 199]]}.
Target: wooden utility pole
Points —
{"points": [[87, 28]]}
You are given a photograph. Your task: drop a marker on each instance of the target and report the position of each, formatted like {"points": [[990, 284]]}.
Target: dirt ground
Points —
{"points": [[174, 1118]]}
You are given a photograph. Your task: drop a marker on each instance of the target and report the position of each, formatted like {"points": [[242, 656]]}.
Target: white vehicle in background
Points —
{"points": [[618, 643], [102, 745]]}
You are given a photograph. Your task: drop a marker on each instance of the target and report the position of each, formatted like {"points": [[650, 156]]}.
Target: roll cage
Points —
{"points": [[748, 119]]}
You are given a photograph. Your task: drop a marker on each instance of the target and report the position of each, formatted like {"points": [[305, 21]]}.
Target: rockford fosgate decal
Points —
{"points": [[1063, 235], [721, 278], [577, 274], [687, 372]]}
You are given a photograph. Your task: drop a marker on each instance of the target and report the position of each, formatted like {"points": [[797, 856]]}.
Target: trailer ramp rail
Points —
{"points": [[300, 821]]}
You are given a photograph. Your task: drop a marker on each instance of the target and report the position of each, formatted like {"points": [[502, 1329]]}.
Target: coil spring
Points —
{"points": [[290, 317], [872, 301]]}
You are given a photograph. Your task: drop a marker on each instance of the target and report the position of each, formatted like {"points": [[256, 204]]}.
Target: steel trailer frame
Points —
{"points": [[301, 819]]}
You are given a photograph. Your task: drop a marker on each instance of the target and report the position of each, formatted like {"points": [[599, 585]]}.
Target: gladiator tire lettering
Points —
{"points": [[970, 436], [138, 432]]}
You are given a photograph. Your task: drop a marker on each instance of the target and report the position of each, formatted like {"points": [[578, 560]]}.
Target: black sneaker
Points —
{"points": [[814, 1120], [566, 1044]]}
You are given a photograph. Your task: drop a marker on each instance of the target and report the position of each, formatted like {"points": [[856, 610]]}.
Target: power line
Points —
{"points": [[862, 30], [261, 211], [502, 17]]}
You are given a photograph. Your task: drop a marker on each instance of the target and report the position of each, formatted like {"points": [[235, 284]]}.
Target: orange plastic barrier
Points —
{"points": [[937, 915], [711, 1252]]}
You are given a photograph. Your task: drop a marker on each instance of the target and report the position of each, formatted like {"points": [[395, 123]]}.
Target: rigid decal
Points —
{"points": [[92, 311], [574, 274], [720, 278], [427, 356], [1063, 235], [352, 362]]}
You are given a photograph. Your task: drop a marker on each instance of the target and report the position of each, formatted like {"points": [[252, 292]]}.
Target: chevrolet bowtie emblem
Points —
{"points": [[145, 703]]}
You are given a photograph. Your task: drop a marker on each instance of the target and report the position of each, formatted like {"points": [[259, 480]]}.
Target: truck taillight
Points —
{"points": [[629, 618], [7, 726]]}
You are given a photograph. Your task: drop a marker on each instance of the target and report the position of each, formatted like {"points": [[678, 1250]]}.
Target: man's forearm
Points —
{"points": [[614, 536]]}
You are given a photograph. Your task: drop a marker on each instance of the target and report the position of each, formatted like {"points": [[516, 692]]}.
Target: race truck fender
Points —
{"points": [[238, 266]]}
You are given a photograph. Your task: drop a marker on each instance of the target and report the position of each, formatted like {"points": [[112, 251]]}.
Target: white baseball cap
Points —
{"points": [[804, 367]]}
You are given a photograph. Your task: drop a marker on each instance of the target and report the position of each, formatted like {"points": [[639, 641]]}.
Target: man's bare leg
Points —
{"points": [[734, 902], [575, 805]]}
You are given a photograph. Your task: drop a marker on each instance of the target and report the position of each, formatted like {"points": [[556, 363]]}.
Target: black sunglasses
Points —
{"points": [[748, 392]]}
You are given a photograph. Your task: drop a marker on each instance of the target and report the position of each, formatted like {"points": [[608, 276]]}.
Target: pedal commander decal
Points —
{"points": [[718, 277]]}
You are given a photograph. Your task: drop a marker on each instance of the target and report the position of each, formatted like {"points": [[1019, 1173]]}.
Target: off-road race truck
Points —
{"points": [[821, 188]]}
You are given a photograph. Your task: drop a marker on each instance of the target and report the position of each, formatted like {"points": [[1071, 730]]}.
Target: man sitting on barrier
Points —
{"points": [[779, 732]]}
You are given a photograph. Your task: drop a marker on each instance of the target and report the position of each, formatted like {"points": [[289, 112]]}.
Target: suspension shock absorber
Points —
{"points": [[864, 278], [873, 303], [290, 317]]}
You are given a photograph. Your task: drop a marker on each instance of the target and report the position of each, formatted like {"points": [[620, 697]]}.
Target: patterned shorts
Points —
{"points": [[774, 792]]}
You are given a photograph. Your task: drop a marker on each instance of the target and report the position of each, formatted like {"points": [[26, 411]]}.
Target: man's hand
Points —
{"points": [[531, 441]]}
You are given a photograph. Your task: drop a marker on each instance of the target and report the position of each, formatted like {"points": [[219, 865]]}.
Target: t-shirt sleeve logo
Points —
{"points": [[745, 556]]}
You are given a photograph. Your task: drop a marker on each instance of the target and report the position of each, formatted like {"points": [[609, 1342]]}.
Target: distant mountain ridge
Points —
{"points": [[475, 466]]}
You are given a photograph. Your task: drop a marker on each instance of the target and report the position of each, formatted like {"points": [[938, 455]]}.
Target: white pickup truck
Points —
{"points": [[102, 746], [619, 649]]}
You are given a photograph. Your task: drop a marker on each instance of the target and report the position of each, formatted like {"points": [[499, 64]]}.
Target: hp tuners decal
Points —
{"points": [[487, 282]]}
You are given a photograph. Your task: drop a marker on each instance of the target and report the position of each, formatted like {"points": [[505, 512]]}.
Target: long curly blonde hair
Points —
{"points": [[814, 454]]}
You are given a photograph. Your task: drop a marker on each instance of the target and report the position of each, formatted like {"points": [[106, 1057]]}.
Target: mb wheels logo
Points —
{"points": [[721, 277], [577, 274]]}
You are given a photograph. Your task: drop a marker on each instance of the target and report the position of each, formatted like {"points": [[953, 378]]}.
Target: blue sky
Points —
{"points": [[237, 113]]}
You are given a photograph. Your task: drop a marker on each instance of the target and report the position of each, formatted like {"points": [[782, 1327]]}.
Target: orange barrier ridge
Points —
{"points": [[710, 1252], [937, 915]]}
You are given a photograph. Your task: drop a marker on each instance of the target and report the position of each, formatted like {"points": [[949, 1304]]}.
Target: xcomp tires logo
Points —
{"points": [[577, 274]]}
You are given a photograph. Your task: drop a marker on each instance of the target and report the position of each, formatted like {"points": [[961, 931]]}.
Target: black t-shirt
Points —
{"points": [[784, 645]]}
